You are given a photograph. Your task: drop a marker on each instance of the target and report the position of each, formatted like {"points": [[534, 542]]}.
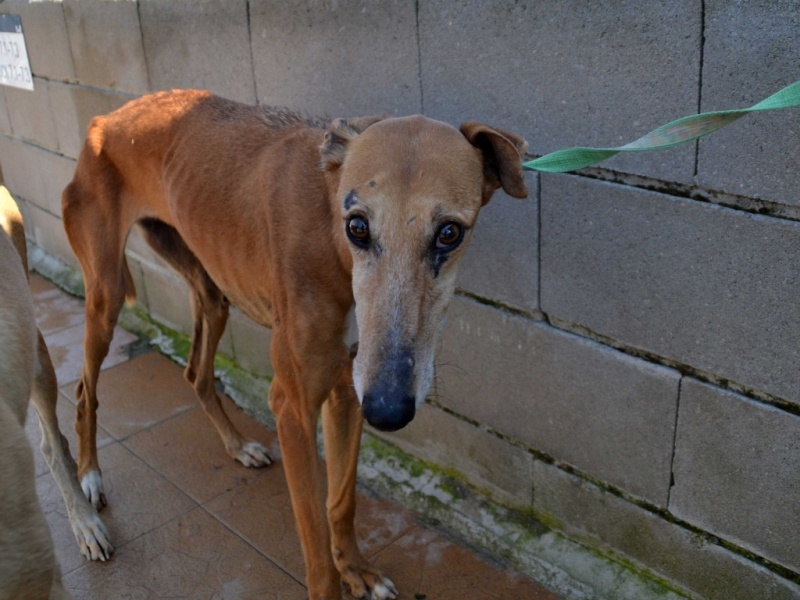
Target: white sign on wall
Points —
{"points": [[15, 70]]}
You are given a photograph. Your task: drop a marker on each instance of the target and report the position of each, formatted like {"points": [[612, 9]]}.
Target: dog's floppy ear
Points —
{"points": [[338, 136], [502, 158]]}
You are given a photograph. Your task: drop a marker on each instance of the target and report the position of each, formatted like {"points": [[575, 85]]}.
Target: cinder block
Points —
{"points": [[737, 471], [74, 107], [168, 302], [566, 73], [30, 114], [106, 43], [343, 59], [707, 286], [590, 514], [502, 263], [140, 250], [604, 412], [250, 344], [198, 44], [5, 118], [750, 52], [46, 37], [137, 273], [488, 462], [35, 174], [47, 232], [168, 298], [20, 172]]}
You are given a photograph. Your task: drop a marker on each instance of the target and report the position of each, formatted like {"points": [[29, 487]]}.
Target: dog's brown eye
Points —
{"points": [[358, 231], [449, 236]]}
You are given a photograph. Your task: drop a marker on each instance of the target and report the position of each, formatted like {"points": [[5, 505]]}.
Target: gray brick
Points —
{"points": [[37, 175], [167, 298], [30, 114], [5, 117], [251, 343], [137, 273], [737, 471], [73, 108], [139, 250], [491, 464], [198, 44], [168, 302], [106, 43], [750, 52], [600, 519], [548, 389], [566, 73], [502, 262], [707, 286], [47, 231], [46, 37], [337, 58]]}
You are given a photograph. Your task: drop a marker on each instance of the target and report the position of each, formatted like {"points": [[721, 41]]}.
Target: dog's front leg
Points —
{"points": [[89, 530], [342, 423], [297, 427]]}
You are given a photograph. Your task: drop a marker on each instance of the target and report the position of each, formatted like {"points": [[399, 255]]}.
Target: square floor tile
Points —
{"points": [[140, 393], [54, 308], [189, 452], [139, 500], [193, 556], [260, 510], [65, 411], [424, 564], [66, 351]]}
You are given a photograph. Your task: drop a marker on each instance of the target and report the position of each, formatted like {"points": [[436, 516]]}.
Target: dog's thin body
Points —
{"points": [[27, 565], [251, 205]]}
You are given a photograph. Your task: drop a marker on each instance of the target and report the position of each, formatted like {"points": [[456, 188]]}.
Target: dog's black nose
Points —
{"points": [[389, 403], [387, 412]]}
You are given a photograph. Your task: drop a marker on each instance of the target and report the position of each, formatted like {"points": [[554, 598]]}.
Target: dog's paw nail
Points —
{"points": [[385, 590], [254, 454]]}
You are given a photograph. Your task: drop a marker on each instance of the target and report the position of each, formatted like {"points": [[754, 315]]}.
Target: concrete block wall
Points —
{"points": [[623, 357]]}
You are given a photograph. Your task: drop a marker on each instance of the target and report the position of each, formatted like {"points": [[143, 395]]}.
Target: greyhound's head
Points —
{"points": [[409, 191]]}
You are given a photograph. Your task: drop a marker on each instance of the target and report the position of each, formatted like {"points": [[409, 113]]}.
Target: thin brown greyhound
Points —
{"points": [[28, 569], [297, 222]]}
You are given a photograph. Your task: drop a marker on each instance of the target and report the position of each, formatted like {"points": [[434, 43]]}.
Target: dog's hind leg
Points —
{"points": [[210, 313], [342, 422], [97, 227], [90, 531]]}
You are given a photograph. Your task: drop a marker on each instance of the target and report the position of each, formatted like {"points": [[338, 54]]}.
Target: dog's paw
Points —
{"points": [[368, 584], [92, 537], [92, 486], [253, 454]]}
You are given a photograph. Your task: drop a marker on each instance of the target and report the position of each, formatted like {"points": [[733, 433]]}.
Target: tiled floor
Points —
{"points": [[188, 522]]}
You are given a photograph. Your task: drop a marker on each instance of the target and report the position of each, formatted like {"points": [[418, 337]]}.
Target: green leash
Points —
{"points": [[674, 133]]}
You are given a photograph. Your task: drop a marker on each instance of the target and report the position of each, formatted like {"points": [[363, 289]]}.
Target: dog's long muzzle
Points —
{"points": [[389, 403]]}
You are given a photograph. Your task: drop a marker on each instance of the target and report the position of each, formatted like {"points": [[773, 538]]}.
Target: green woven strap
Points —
{"points": [[674, 133]]}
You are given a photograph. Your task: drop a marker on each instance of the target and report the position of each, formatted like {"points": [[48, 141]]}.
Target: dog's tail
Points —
{"points": [[11, 223]]}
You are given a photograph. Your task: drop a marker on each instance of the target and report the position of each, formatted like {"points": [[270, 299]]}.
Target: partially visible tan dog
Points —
{"points": [[28, 569], [300, 223]]}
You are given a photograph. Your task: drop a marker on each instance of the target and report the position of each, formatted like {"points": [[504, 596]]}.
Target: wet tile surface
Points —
{"points": [[188, 521]]}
